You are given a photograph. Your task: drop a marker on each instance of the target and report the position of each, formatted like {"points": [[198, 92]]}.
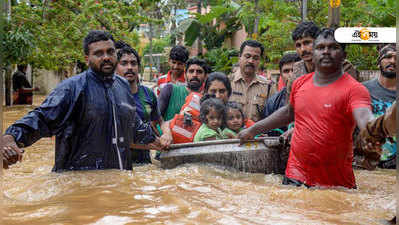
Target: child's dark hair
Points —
{"points": [[211, 103], [234, 105]]}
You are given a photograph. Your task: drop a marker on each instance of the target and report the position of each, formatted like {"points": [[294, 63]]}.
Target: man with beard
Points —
{"points": [[303, 36], [383, 93], [250, 89], [146, 102], [92, 115], [373, 136], [177, 60], [173, 96], [327, 105]]}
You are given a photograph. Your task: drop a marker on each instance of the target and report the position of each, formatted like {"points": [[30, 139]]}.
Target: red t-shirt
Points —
{"points": [[321, 148], [163, 80]]}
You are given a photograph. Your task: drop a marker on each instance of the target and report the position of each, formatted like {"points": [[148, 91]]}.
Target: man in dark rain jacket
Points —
{"points": [[92, 115]]}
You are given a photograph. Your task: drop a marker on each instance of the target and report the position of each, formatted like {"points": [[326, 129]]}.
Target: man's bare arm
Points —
{"points": [[362, 117], [279, 118]]}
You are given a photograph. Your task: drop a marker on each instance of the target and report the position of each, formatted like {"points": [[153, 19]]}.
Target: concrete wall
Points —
{"points": [[46, 80]]}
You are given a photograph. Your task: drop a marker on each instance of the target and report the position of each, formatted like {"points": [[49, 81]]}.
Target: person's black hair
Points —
{"points": [[128, 50], [95, 36], [211, 103], [254, 44], [288, 58], [329, 33], [234, 105], [220, 77], [200, 62], [120, 44], [22, 67], [305, 29], [179, 53]]}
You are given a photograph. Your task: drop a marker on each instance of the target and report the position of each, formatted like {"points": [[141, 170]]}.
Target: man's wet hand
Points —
{"points": [[10, 151], [166, 140], [287, 135], [245, 135], [156, 145]]}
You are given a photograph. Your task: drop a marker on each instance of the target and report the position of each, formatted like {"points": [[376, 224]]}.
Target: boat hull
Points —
{"points": [[262, 156]]}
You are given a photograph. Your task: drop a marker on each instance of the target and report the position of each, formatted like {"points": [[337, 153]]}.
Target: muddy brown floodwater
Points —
{"points": [[191, 194]]}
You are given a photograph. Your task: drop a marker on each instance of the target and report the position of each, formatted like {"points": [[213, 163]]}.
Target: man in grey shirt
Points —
{"points": [[383, 93]]}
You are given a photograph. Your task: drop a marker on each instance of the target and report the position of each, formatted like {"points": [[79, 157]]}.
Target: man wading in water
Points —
{"points": [[326, 105], [92, 115], [128, 66]]}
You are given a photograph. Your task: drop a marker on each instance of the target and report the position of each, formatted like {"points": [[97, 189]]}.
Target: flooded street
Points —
{"points": [[191, 194]]}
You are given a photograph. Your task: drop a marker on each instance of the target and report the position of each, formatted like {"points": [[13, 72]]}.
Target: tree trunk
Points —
{"points": [[304, 10], [1, 100], [256, 22], [199, 43], [8, 81], [333, 17], [173, 28], [151, 59]]}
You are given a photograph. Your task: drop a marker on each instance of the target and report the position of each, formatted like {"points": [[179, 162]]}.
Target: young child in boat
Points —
{"points": [[212, 116], [235, 120]]}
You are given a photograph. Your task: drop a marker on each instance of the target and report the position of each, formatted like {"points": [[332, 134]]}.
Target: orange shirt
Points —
{"points": [[163, 80]]}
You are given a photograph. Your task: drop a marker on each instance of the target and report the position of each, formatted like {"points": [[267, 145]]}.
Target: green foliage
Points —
{"points": [[48, 34], [16, 46], [158, 46], [192, 33], [59, 27], [214, 27], [222, 59], [277, 20], [363, 57]]}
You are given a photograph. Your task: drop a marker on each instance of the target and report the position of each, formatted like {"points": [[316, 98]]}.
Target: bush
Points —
{"points": [[222, 59]]}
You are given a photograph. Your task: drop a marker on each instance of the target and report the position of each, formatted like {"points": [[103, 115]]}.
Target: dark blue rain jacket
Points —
{"points": [[79, 112]]}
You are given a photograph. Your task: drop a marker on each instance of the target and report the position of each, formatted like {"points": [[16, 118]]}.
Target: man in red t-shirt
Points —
{"points": [[327, 105], [177, 61]]}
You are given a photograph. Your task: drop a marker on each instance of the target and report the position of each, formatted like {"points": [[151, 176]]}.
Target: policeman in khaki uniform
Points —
{"points": [[248, 88]]}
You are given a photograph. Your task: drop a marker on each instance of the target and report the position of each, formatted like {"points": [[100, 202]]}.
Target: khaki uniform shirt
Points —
{"points": [[251, 96]]}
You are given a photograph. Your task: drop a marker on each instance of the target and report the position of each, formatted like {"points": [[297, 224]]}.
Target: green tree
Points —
{"points": [[58, 27]]}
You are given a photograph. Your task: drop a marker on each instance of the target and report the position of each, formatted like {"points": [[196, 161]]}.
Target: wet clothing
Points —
{"points": [[147, 110], [381, 99], [299, 69], [165, 79], [272, 104], [252, 97], [382, 126], [146, 104], [378, 130], [171, 99], [321, 151], [204, 132], [92, 117], [19, 82]]}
